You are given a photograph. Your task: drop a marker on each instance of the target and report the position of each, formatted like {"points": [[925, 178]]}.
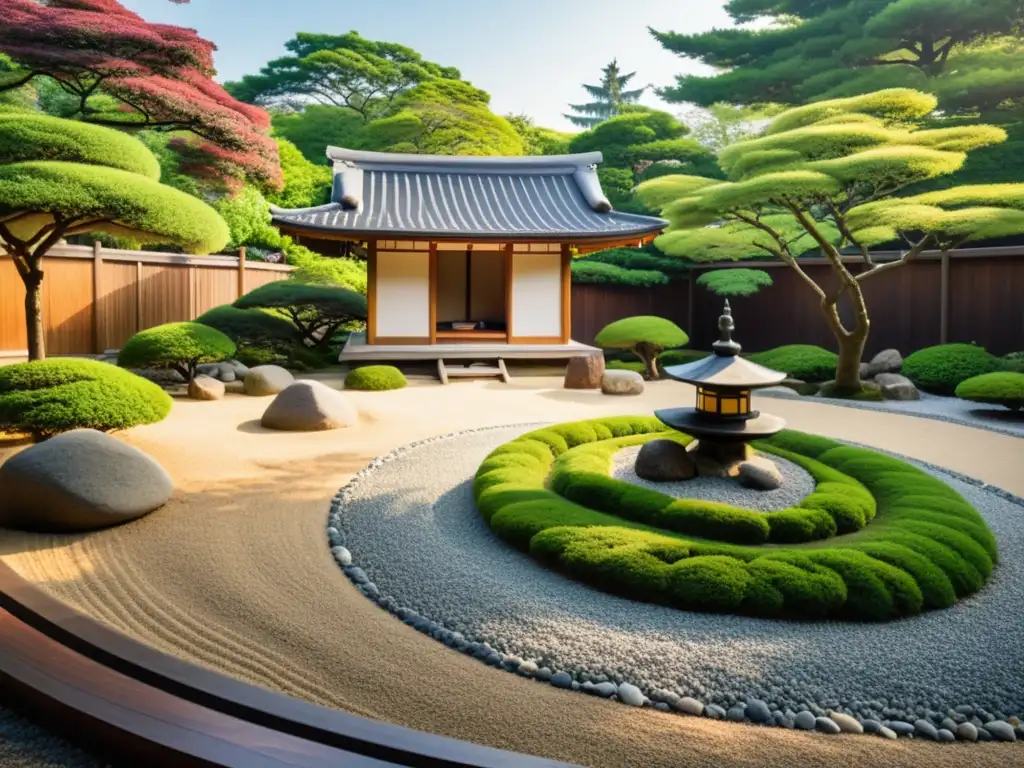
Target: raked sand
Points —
{"points": [[234, 574]]}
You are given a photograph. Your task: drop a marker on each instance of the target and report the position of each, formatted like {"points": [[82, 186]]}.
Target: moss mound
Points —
{"points": [[643, 329], [375, 378], [179, 346], [1004, 388], [52, 396], [868, 391], [877, 539], [799, 361], [943, 368]]}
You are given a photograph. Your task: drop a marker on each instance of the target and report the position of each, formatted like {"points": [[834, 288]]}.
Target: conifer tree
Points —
{"points": [[609, 97]]}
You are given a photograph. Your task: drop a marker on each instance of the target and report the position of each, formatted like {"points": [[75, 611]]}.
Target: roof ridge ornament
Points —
{"points": [[725, 346]]}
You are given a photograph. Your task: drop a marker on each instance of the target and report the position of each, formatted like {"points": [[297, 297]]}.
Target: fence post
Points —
{"points": [[944, 299], [138, 296], [241, 272], [97, 266]]}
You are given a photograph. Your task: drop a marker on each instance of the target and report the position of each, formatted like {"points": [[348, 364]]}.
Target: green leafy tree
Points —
{"points": [[179, 347], [646, 335], [735, 282], [317, 127], [719, 125], [537, 140], [61, 177], [317, 311], [608, 97], [825, 177], [305, 184]]}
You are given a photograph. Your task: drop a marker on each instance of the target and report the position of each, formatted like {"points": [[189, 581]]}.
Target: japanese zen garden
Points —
{"points": [[350, 418]]}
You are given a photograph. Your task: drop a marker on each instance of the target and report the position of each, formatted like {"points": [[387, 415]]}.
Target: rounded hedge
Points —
{"points": [[877, 539], [250, 326], [375, 378], [799, 361], [180, 346], [643, 329], [943, 368], [48, 397], [1004, 388]]}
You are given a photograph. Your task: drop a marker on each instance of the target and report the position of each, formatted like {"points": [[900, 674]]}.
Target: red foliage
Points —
{"points": [[161, 73]]}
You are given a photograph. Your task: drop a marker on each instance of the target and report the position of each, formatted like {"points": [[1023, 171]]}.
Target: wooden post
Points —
{"points": [[944, 299], [138, 296], [97, 265], [241, 272], [432, 291], [566, 269], [371, 292]]}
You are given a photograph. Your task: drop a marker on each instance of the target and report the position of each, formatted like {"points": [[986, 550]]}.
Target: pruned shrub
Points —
{"points": [[177, 346], [646, 336], [942, 368], [48, 397], [375, 378], [799, 361], [317, 311], [251, 327], [1004, 388]]}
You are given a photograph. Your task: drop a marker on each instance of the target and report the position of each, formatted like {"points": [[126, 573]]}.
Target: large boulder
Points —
{"points": [[664, 461], [206, 388], [584, 372], [264, 380], [897, 387], [615, 382], [309, 406], [80, 481], [886, 361]]}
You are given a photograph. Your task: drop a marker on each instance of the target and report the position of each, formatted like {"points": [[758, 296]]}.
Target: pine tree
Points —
{"points": [[609, 97]]}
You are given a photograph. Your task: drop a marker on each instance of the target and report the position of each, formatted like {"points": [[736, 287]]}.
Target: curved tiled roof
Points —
{"points": [[475, 197]]}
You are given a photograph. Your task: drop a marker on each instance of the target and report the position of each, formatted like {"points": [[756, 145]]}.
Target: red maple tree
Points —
{"points": [[161, 76]]}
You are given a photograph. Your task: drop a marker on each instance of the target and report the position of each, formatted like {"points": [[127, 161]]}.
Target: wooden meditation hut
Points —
{"points": [[468, 257]]}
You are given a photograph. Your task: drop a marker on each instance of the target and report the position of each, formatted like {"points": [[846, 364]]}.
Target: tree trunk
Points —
{"points": [[649, 354], [851, 342], [34, 314]]}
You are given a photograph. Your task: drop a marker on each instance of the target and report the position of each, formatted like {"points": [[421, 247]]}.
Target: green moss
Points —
{"points": [[179, 346], [943, 368], [52, 396], [376, 378], [868, 391], [877, 539], [799, 361], [1004, 388]]}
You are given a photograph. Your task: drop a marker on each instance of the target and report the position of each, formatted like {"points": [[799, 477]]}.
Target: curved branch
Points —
{"points": [[905, 259], [784, 252]]}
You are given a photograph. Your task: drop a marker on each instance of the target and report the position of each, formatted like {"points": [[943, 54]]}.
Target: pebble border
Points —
{"points": [[962, 723]]}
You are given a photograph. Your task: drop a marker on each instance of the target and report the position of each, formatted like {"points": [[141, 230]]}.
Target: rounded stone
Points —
{"points": [[664, 461], [924, 728], [804, 721], [714, 711], [81, 480], [871, 726], [617, 382], [561, 680], [945, 735], [758, 711], [688, 705], [527, 669], [984, 735], [948, 724], [584, 372], [265, 380], [886, 733], [206, 388], [827, 725], [342, 555], [760, 474], [846, 723], [605, 689], [309, 406], [737, 713], [901, 727], [897, 387], [631, 695], [1001, 730]]}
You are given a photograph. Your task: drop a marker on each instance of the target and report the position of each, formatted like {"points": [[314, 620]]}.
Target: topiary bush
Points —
{"points": [[1005, 388], [317, 311], [375, 378], [251, 327], [942, 368], [177, 346], [646, 336], [799, 361], [877, 539], [52, 396]]}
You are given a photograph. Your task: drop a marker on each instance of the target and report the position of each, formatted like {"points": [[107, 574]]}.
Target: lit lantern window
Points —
{"points": [[720, 403]]}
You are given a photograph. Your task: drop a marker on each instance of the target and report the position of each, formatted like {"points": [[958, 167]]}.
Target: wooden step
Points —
{"points": [[445, 372]]}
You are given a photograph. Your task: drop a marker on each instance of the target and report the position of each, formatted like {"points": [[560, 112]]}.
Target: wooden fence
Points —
{"points": [[973, 295], [96, 298]]}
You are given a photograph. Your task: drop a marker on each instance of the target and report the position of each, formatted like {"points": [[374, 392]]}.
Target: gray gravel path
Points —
{"points": [[797, 484], [24, 744], [410, 523], [951, 409]]}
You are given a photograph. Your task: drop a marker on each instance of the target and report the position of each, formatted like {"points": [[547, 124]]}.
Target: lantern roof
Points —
{"points": [[724, 367]]}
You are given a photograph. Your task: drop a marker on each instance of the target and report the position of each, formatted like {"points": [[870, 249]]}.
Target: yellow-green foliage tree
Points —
{"points": [[825, 177], [62, 177]]}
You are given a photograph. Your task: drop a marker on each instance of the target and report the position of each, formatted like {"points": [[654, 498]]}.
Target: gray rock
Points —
{"points": [[948, 724], [871, 726], [664, 461], [886, 733], [543, 674], [616, 382], [357, 574], [240, 371], [1001, 730], [984, 735], [804, 721], [846, 723], [222, 372], [965, 709], [924, 728], [265, 380], [309, 406], [865, 371], [714, 711], [758, 711], [759, 474], [584, 372], [827, 725], [205, 388], [527, 669], [371, 591], [235, 388], [80, 481], [945, 735], [902, 728], [896, 387], [689, 706], [737, 713], [1019, 730], [605, 689], [342, 555], [662, 706], [886, 361], [511, 663], [561, 680], [631, 695]]}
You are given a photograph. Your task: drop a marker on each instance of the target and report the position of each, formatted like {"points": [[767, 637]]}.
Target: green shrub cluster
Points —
{"points": [[178, 346], [901, 541], [941, 369], [799, 361], [375, 378], [251, 327], [598, 272], [48, 397], [1005, 388]]}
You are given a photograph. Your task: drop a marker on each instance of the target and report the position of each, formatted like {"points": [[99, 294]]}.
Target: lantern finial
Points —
{"points": [[725, 346]]}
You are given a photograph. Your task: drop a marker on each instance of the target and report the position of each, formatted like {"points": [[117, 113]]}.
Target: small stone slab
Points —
{"points": [[689, 706], [206, 388], [664, 461], [81, 480], [759, 474], [584, 372], [886, 361], [309, 406], [616, 382], [265, 380], [846, 723]]}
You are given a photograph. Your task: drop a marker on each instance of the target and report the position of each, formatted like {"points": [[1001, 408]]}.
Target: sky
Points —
{"points": [[531, 55]]}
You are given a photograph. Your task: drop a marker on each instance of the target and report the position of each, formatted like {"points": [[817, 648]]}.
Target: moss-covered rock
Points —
{"points": [[375, 378], [942, 368], [1005, 388]]}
